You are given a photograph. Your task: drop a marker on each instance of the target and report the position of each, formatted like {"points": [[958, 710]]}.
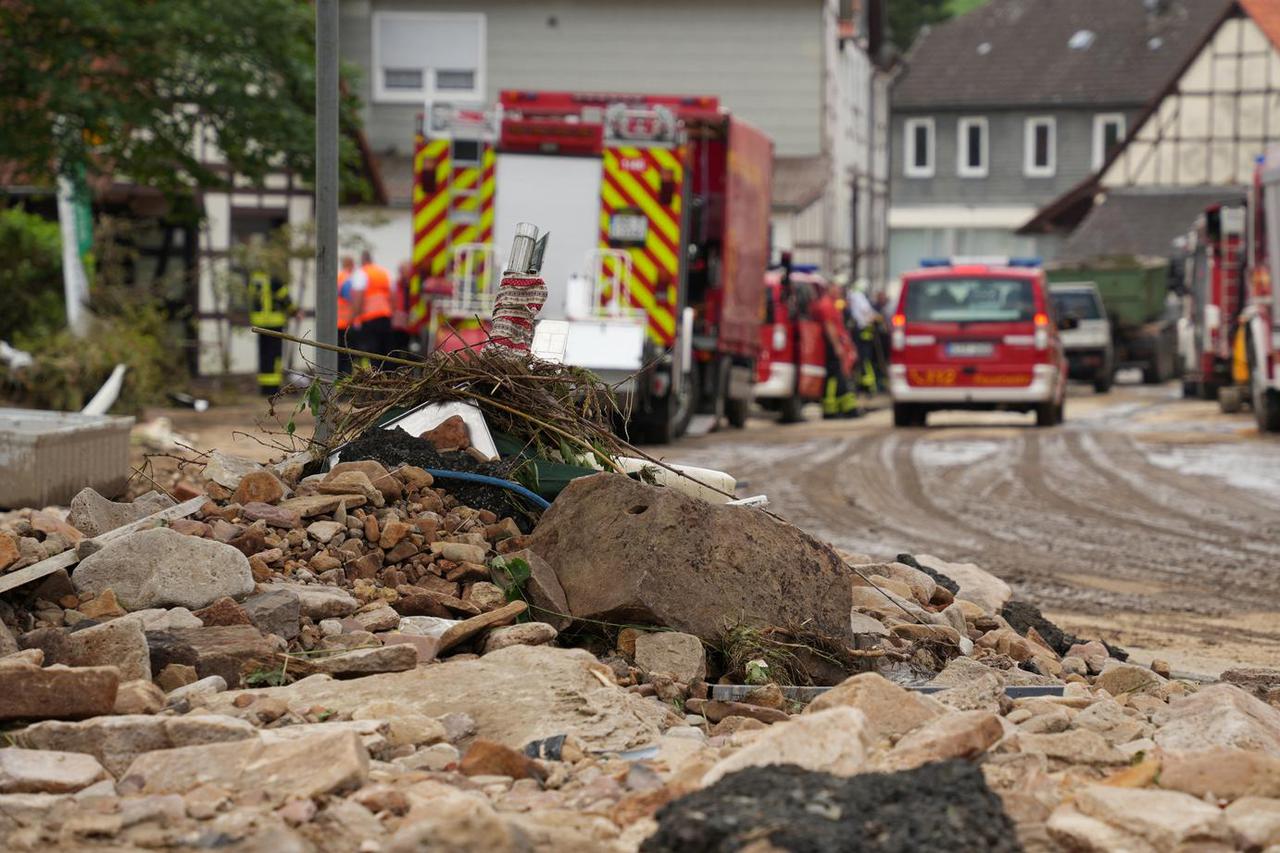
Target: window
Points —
{"points": [[970, 300], [1108, 130], [418, 56], [971, 147], [918, 139], [1041, 147]]}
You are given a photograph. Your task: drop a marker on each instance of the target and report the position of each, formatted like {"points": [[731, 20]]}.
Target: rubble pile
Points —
{"points": [[360, 660]]}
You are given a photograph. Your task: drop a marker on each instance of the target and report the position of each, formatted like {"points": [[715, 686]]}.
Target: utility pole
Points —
{"points": [[326, 183]]}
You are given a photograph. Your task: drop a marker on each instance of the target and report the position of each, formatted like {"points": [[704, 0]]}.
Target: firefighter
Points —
{"points": [[840, 400], [371, 306], [345, 313], [270, 307], [864, 317]]}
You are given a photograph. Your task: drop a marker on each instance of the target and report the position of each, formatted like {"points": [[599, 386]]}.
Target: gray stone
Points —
{"points": [[977, 585], [225, 650], [360, 662], [227, 470], [160, 567], [166, 619], [93, 515], [276, 611], [627, 551], [32, 771], [1117, 678], [671, 653], [321, 602], [547, 602], [198, 690], [1218, 715]]}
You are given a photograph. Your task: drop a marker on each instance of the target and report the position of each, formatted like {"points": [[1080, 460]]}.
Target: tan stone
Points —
{"points": [[1117, 678], [259, 486], [966, 734], [1219, 715], [38, 771], [468, 628], [9, 552], [103, 606], [1255, 822], [672, 653], [487, 758], [1222, 773], [176, 675], [28, 692], [835, 741], [1077, 746], [387, 483], [1166, 820], [313, 505], [139, 697], [890, 710]]}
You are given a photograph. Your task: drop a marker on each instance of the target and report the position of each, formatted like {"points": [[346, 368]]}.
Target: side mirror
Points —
{"points": [[1069, 322]]}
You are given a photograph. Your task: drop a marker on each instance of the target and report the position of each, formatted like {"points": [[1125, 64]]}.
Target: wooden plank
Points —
{"points": [[68, 558]]}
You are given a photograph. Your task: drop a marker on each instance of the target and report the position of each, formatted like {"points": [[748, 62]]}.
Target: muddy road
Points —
{"points": [[1147, 519]]}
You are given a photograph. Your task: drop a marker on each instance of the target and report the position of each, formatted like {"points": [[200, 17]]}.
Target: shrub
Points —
{"points": [[30, 276]]}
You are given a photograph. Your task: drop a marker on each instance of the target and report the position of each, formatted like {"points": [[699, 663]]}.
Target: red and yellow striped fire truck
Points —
{"points": [[658, 210]]}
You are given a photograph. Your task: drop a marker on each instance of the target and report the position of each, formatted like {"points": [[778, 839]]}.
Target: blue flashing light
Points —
{"points": [[804, 267], [935, 262], [1026, 262]]}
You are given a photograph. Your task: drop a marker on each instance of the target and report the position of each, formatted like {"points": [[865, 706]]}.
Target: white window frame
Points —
{"points": [[963, 169], [1100, 122], [382, 94], [909, 167], [1029, 167]]}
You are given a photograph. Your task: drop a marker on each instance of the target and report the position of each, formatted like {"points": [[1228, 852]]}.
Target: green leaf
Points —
{"points": [[290, 426], [314, 399], [517, 572]]}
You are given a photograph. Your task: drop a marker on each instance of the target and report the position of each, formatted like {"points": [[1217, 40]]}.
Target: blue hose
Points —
{"points": [[538, 500]]}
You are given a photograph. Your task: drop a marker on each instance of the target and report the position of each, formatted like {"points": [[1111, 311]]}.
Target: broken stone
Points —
{"points": [[158, 567], [1162, 820], [32, 771], [976, 585], [360, 662], [604, 533], [571, 692], [175, 675], [406, 728], [1218, 715], [486, 596], [966, 734], [487, 758], [228, 470], [388, 484], [139, 697], [468, 628], [276, 516], [313, 505], [353, 482], [525, 633], [835, 741], [93, 515], [1221, 773], [1077, 746], [9, 553], [321, 602], [310, 766], [1255, 822], [104, 606], [224, 611], [225, 651], [120, 643], [275, 611], [1117, 678], [672, 653], [324, 531], [197, 691], [891, 711]]}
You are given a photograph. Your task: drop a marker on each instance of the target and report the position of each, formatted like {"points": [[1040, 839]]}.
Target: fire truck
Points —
{"points": [[658, 211], [1260, 321], [1216, 293]]}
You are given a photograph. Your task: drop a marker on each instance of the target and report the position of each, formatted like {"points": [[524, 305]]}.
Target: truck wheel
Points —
{"points": [[1102, 383], [1049, 414], [672, 415], [908, 415], [792, 410], [1231, 399], [1190, 389], [1266, 402], [736, 411]]}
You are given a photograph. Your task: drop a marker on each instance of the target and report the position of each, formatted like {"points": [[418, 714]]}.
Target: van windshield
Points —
{"points": [[970, 300], [1081, 304]]}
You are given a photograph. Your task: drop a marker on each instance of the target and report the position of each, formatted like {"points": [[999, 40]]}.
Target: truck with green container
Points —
{"points": [[1144, 318]]}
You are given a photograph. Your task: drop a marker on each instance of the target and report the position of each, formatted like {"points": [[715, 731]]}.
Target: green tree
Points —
{"points": [[908, 17], [127, 87], [30, 275]]}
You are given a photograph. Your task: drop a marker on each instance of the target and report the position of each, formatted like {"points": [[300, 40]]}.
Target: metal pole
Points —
{"points": [[326, 190]]}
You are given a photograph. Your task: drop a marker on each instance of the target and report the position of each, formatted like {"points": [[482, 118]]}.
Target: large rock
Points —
{"points": [[361, 662], [117, 741], [29, 692], [671, 653], [891, 711], [163, 568], [309, 766], [121, 643], [836, 741], [93, 515], [37, 771], [544, 691], [628, 552], [224, 650], [976, 585], [1219, 715]]}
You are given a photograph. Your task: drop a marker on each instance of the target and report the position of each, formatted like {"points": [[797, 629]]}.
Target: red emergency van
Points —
{"points": [[976, 334]]}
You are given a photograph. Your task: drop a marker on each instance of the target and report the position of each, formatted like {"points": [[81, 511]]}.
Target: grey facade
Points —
{"points": [[789, 68], [1071, 65]]}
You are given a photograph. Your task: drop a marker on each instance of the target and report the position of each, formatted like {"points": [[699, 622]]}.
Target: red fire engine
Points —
{"points": [[1260, 322], [658, 208], [1216, 296]]}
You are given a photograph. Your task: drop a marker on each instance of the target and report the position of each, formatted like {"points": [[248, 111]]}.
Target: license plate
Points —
{"points": [[970, 349], [628, 228]]}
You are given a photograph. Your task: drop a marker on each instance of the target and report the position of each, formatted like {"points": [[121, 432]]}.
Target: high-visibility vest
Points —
{"points": [[345, 308], [268, 305], [377, 293]]}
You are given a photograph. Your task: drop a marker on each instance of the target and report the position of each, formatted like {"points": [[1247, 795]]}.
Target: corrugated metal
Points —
{"points": [[46, 457]]}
